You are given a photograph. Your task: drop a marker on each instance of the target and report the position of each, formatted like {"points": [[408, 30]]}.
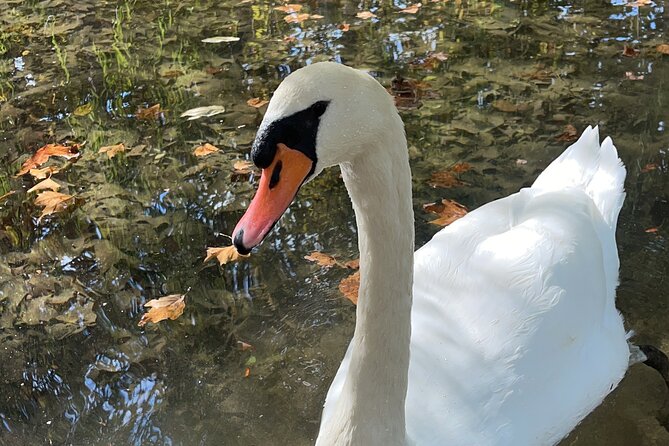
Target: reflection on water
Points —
{"points": [[495, 85]]}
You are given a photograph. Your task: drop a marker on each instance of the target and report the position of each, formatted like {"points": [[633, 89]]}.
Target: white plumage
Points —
{"points": [[514, 336]]}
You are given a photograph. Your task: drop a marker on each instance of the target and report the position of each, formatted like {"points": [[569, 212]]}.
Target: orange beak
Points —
{"points": [[279, 183]]}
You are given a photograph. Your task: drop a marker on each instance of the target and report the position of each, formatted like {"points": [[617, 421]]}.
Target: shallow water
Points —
{"points": [[493, 85]]}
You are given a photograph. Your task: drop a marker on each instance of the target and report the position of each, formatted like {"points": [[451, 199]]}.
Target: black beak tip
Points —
{"points": [[239, 244]]}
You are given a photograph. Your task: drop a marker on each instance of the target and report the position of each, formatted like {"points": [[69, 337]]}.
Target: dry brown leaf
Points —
{"points": [[629, 75], [289, 9], [365, 15], [652, 230], [448, 211], [316, 16], [344, 27], [638, 3], [663, 48], [205, 149], [247, 372], [45, 152], [445, 178], [628, 51], [243, 167], [568, 135], [353, 264], [257, 102], [296, 18], [461, 167], [224, 254], [167, 307], [413, 9], [46, 184], [53, 202], [322, 259], [40, 174], [148, 114], [349, 287], [112, 151]]}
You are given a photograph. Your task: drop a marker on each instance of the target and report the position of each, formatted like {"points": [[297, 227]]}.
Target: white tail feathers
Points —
{"points": [[595, 169]]}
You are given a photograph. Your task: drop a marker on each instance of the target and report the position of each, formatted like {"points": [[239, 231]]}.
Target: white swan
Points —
{"points": [[512, 336]]}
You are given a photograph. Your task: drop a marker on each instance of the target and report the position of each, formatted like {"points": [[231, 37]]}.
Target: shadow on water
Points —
{"points": [[495, 85]]}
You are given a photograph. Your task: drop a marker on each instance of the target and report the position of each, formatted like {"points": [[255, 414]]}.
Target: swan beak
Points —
{"points": [[279, 183]]}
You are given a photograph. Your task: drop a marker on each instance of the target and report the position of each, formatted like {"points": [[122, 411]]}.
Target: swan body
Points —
{"points": [[501, 330]]}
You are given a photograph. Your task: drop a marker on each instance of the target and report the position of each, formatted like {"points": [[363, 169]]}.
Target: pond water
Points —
{"points": [[494, 86]]}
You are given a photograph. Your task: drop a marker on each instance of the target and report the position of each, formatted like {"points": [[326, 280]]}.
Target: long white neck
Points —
{"points": [[370, 409]]}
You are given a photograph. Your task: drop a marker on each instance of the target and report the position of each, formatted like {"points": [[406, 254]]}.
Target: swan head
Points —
{"points": [[319, 116]]}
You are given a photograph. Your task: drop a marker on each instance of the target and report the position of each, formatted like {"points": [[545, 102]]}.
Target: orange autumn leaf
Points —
{"points": [[40, 174], [45, 152], [247, 372], [649, 167], [112, 151], [663, 48], [45, 184], [53, 202], [461, 167], [321, 259], [652, 230], [167, 307], [224, 254], [446, 179], [353, 264], [365, 15], [413, 9], [448, 211], [289, 9], [296, 18], [257, 102], [205, 149], [628, 51], [349, 287], [344, 27], [148, 114], [243, 167]]}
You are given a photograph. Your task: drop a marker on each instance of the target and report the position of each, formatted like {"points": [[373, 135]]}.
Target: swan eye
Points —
{"points": [[297, 131]]}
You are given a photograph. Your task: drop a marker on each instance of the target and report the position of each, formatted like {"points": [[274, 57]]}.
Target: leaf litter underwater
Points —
{"points": [[125, 132]]}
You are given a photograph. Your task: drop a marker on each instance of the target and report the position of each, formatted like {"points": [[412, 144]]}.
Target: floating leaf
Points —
{"points": [[200, 112], [349, 287], [448, 211], [46, 184], [629, 75], [321, 259], [40, 174], [45, 152], [243, 167], [289, 9], [221, 39], [365, 15], [53, 202], [663, 48], [83, 110], [168, 307], [413, 9], [247, 372], [112, 151], [299, 18], [652, 230], [243, 346], [257, 102], [344, 27], [353, 264], [205, 149], [224, 254], [649, 167]]}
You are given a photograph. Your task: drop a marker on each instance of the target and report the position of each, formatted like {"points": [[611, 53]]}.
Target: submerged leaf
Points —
{"points": [[148, 114], [83, 110], [221, 39], [40, 174], [365, 15], [289, 9], [243, 167], [446, 179], [224, 254], [663, 48], [257, 102], [168, 307], [413, 9]]}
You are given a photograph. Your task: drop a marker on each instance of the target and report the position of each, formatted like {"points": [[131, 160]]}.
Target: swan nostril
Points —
{"points": [[276, 175], [238, 241]]}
